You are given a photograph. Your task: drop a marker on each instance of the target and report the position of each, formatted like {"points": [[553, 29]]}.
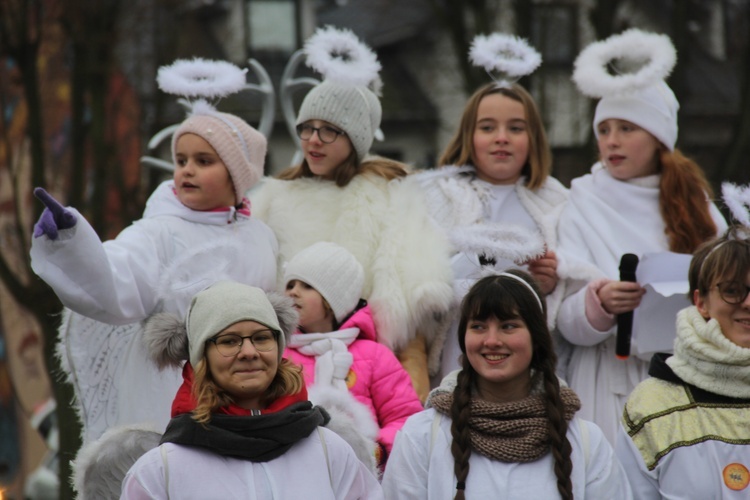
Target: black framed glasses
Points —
{"points": [[230, 344], [733, 292], [326, 133]]}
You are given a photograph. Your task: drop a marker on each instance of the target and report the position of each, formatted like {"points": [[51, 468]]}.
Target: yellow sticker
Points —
{"points": [[351, 379], [736, 476]]}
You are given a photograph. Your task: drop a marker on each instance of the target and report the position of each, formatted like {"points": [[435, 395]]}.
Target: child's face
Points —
{"points": [[627, 150], [500, 352], [313, 317], [201, 179], [324, 158], [501, 139]]}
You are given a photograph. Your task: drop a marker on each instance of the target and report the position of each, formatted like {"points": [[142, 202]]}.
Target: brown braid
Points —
{"points": [[460, 413], [502, 297], [558, 428]]}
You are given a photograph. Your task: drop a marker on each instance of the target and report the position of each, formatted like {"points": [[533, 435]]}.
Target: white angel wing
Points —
{"points": [[114, 381]]}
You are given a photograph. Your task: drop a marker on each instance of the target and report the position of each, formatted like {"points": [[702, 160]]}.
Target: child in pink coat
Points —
{"points": [[335, 343]]}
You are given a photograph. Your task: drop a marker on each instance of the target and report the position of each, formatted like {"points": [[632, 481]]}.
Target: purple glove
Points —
{"points": [[54, 218]]}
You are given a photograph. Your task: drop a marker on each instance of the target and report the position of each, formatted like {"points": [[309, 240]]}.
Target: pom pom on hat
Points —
{"points": [[241, 148], [331, 270]]}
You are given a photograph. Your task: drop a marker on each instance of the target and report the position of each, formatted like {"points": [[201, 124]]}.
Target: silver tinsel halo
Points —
{"points": [[505, 57], [340, 56], [201, 78], [655, 52]]}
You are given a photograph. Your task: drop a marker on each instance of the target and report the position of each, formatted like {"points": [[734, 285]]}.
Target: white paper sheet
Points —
{"points": [[664, 275]]}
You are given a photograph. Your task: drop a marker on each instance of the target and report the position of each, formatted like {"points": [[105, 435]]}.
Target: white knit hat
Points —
{"points": [[653, 108], [641, 97], [346, 98], [222, 305], [354, 109], [331, 270], [240, 146]]}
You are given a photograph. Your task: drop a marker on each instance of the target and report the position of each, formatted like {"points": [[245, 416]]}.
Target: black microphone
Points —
{"points": [[628, 264]]}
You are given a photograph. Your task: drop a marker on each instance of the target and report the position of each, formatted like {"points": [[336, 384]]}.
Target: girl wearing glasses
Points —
{"points": [[336, 340], [340, 194], [242, 420], [505, 428], [685, 431], [643, 196]]}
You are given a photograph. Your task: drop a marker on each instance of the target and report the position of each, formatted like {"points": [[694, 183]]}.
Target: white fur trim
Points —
{"points": [[201, 78], [509, 55], [633, 45], [341, 57], [351, 420], [100, 466]]}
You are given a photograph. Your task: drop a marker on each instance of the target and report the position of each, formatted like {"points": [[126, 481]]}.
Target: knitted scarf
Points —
{"points": [[510, 432], [332, 357], [705, 358], [257, 438]]}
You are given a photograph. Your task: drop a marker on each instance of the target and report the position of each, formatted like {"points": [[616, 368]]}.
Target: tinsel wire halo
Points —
{"points": [[593, 78], [510, 56], [201, 78], [340, 56], [737, 199]]}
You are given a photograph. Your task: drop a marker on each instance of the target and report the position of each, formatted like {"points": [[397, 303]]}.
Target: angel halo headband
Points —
{"points": [[737, 199], [506, 58], [655, 52], [526, 284]]}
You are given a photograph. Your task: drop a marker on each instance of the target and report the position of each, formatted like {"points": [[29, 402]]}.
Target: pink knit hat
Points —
{"points": [[240, 146]]}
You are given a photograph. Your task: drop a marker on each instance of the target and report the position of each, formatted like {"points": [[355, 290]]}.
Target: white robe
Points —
{"points": [[309, 469], [604, 219], [458, 200], [421, 466], [155, 265]]}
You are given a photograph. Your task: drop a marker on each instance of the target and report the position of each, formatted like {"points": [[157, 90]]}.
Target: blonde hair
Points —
{"points": [[460, 150], [350, 168], [209, 397]]}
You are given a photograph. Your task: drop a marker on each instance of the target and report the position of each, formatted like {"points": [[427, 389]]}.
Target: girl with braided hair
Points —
{"points": [[505, 419]]}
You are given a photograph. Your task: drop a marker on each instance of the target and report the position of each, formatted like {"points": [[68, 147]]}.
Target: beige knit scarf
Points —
{"points": [[510, 432], [705, 358]]}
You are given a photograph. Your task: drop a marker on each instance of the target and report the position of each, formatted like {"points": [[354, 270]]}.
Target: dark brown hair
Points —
{"points": [[504, 298]]}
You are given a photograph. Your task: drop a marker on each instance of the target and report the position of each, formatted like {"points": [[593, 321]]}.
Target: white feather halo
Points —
{"points": [[340, 56], [737, 199], [201, 78], [655, 51], [509, 242], [510, 56]]}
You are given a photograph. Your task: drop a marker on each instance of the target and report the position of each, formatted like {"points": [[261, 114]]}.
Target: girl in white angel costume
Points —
{"points": [[493, 193], [340, 195], [197, 228], [642, 196]]}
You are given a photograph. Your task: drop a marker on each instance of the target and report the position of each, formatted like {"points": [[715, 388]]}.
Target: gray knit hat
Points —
{"points": [[240, 146], [355, 109], [222, 305], [331, 270]]}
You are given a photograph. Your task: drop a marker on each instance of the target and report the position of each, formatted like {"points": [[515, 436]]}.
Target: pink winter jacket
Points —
{"points": [[376, 378]]}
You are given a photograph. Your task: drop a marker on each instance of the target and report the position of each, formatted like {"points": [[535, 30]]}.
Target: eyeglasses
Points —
{"points": [[326, 134], [230, 345], [733, 292]]}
